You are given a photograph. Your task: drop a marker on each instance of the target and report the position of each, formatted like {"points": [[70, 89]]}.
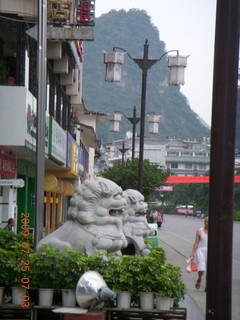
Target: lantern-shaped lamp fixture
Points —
{"points": [[113, 61], [153, 121], [115, 119], [177, 65]]}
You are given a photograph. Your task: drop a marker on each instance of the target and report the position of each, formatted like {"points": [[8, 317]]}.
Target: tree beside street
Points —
{"points": [[126, 176]]}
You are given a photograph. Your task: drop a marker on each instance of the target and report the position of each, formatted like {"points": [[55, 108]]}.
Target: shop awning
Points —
{"points": [[193, 179], [89, 136], [56, 185]]}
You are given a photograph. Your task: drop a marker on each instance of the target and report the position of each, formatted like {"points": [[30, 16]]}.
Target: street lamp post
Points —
{"points": [[123, 150], [153, 121], [134, 121], [143, 64], [113, 73]]}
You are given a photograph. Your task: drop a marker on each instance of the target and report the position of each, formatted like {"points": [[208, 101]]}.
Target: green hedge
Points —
{"points": [[49, 268]]}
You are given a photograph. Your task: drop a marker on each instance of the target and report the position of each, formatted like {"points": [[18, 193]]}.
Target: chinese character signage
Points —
{"points": [[7, 166], [57, 141], [164, 188], [74, 158], [72, 155], [71, 12]]}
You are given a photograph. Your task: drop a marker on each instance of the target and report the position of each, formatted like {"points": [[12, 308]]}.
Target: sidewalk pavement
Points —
{"points": [[195, 300]]}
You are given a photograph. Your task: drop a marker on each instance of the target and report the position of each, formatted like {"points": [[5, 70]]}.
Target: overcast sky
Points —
{"points": [[188, 26]]}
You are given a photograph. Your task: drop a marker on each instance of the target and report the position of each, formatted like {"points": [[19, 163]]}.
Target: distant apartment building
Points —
{"points": [[181, 157]]}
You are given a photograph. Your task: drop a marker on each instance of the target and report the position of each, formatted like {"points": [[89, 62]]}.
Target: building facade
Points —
{"points": [[70, 129], [181, 157]]}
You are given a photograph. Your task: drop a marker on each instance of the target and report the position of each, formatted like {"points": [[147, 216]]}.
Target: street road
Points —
{"points": [[176, 237]]}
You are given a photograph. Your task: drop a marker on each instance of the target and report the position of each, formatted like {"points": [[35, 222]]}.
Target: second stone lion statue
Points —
{"points": [[94, 222], [135, 226]]}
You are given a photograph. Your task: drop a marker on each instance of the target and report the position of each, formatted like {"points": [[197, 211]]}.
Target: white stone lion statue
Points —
{"points": [[94, 222], [135, 226]]}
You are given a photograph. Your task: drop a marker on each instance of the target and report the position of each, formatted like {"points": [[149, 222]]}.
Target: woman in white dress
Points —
{"points": [[199, 250]]}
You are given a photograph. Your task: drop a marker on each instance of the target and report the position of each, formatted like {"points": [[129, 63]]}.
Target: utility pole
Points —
{"points": [[224, 108], [41, 112]]}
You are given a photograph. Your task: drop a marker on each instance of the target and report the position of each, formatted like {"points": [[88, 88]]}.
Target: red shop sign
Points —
{"points": [[7, 166]]}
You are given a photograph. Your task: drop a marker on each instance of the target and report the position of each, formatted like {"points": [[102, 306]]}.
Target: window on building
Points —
{"points": [[11, 51], [188, 166], [187, 154], [172, 153], [202, 166], [200, 154], [174, 165]]}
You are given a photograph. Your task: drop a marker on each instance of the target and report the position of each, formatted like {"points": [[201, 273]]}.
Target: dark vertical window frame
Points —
{"points": [[52, 90], [21, 46], [69, 111], [59, 101], [33, 86], [64, 111]]}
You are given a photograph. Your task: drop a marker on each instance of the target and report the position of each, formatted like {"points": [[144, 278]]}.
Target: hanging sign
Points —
{"points": [[7, 166], [18, 183], [71, 13], [164, 188]]}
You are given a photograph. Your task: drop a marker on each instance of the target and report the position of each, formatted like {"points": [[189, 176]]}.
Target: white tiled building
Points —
{"points": [[181, 157]]}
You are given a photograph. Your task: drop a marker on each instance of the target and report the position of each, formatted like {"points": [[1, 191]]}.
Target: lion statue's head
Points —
{"points": [[136, 206], [95, 198]]}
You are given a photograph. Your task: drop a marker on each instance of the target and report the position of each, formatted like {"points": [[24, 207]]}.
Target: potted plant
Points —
{"points": [[168, 286], [11, 274], [121, 278], [12, 255], [71, 267], [145, 285], [4, 274], [59, 272], [45, 273], [149, 267]]}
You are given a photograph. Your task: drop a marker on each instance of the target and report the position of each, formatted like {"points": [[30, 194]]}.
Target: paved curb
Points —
{"points": [[195, 300]]}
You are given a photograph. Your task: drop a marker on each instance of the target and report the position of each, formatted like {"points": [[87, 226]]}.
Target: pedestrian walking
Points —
{"points": [[155, 216], [160, 219], [199, 251]]}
